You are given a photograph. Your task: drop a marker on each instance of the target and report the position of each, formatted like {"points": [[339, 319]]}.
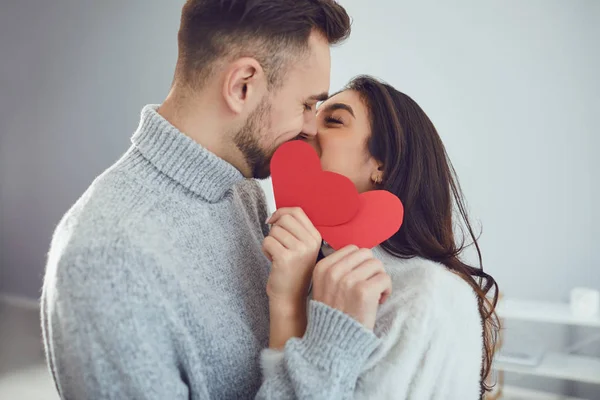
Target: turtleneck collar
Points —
{"points": [[182, 159]]}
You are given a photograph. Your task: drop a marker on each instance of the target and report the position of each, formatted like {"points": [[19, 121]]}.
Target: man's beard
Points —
{"points": [[247, 141]]}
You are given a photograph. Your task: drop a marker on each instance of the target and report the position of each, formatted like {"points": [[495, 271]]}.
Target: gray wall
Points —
{"points": [[512, 87], [593, 127], [74, 76]]}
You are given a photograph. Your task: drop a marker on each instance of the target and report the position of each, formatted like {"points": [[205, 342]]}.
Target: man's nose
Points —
{"points": [[313, 141], [310, 126]]}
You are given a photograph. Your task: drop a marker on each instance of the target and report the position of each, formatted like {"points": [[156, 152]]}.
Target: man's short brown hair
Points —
{"points": [[275, 32]]}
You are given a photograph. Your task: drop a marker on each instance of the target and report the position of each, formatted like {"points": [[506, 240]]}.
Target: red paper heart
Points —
{"points": [[379, 217], [327, 198], [331, 201]]}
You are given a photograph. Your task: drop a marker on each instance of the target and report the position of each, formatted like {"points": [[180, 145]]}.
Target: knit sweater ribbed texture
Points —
{"points": [[155, 287]]}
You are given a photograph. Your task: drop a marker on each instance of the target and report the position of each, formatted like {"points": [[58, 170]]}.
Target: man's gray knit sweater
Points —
{"points": [[155, 287]]}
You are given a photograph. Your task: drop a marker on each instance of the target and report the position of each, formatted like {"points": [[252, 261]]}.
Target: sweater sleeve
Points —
{"points": [[105, 335], [324, 364]]}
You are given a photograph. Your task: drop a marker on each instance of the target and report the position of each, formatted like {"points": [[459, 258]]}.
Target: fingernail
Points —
{"points": [[268, 219], [384, 297]]}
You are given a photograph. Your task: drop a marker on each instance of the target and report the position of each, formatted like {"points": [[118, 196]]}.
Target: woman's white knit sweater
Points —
{"points": [[431, 337]]}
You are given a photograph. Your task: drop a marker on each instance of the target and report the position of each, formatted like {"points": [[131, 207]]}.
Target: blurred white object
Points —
{"points": [[558, 365], [528, 359], [585, 302]]}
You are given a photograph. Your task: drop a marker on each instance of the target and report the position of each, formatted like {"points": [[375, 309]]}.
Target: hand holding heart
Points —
{"points": [[351, 280], [292, 246], [315, 204]]}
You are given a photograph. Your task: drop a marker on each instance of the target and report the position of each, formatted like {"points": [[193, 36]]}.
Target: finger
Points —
{"points": [[363, 272], [335, 273], [338, 255], [381, 283], [354, 260], [384, 297], [293, 226], [323, 266], [280, 212], [271, 247], [288, 240], [299, 215]]}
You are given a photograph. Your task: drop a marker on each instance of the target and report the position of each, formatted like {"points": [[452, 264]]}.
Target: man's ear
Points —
{"points": [[244, 84]]}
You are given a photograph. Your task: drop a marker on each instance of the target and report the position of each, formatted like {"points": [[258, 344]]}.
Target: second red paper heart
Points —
{"points": [[331, 201]]}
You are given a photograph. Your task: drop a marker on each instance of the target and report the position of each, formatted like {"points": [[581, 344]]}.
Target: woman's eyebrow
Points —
{"points": [[338, 106]]}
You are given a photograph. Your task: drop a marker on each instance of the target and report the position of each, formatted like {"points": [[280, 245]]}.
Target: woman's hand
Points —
{"points": [[292, 246], [353, 281]]}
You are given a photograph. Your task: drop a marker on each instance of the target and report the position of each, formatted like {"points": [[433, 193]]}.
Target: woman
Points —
{"points": [[438, 327]]}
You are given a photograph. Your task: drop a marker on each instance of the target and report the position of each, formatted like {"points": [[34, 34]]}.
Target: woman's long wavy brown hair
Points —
{"points": [[417, 169]]}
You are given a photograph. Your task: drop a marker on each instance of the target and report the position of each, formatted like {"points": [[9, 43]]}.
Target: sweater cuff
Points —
{"points": [[269, 361], [334, 340]]}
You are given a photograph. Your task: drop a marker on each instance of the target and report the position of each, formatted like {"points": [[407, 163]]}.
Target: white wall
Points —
{"points": [[512, 87]]}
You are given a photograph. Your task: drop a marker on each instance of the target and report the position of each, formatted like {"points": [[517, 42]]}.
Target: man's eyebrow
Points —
{"points": [[319, 97], [338, 106]]}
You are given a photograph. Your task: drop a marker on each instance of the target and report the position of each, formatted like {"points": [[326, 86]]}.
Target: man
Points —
{"points": [[155, 283]]}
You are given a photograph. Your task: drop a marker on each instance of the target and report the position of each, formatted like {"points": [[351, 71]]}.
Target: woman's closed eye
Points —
{"points": [[332, 120]]}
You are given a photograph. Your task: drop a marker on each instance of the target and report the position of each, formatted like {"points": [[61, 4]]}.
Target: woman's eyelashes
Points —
{"points": [[332, 120]]}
